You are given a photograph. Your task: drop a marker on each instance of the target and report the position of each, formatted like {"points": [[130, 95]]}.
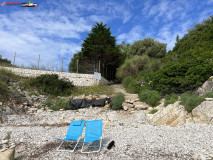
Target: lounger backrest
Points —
{"points": [[75, 130], [93, 130]]}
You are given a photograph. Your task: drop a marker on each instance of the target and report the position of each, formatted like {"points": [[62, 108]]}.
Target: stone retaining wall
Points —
{"points": [[76, 78]]}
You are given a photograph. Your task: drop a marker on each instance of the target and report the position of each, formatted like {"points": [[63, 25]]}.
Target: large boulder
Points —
{"points": [[206, 87], [203, 113], [173, 115]]}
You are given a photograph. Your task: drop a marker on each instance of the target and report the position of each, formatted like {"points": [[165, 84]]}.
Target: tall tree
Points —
{"points": [[100, 46]]}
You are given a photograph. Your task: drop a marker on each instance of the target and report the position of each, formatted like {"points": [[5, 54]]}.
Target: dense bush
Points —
{"points": [[150, 97], [126, 81], [149, 47], [132, 66], [117, 101], [60, 104], [208, 95], [170, 99], [4, 61], [3, 90], [186, 67], [178, 77], [52, 85], [9, 74], [190, 101]]}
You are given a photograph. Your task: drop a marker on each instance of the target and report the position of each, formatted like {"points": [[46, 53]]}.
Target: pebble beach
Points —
{"points": [[35, 136]]}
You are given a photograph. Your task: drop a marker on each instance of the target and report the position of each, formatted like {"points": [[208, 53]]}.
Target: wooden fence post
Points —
{"points": [[77, 66], [38, 61], [14, 58]]}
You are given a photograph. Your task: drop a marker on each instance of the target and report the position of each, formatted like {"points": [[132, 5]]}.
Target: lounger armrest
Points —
{"points": [[59, 139]]}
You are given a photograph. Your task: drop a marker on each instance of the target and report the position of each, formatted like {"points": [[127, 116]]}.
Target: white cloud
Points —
{"points": [[39, 33], [134, 34]]}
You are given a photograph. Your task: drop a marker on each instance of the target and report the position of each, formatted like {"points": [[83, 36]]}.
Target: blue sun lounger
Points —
{"points": [[73, 134], [93, 134]]}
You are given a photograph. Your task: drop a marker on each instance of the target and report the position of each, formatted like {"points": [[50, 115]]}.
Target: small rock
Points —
{"points": [[107, 106], [209, 99], [149, 109], [1, 103]]}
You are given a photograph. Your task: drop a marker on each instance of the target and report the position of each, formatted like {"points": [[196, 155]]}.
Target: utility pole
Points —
{"points": [[62, 65], [77, 66], [14, 58], [38, 61]]}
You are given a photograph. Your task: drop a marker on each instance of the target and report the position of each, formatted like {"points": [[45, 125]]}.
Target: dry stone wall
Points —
{"points": [[76, 78]]}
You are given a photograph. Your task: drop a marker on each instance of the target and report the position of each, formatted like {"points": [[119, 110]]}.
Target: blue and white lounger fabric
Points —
{"points": [[93, 133], [73, 134]]}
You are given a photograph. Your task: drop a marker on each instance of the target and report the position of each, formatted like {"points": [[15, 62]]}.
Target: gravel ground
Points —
{"points": [[134, 138]]}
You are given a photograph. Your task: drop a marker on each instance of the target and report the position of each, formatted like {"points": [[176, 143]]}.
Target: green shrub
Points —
{"points": [[137, 84], [117, 101], [4, 62], [60, 104], [181, 76], [208, 95], [3, 89], [131, 66], [9, 74], [48, 102], [91, 90], [170, 99], [190, 101], [150, 97], [51, 84], [126, 81], [153, 111]]}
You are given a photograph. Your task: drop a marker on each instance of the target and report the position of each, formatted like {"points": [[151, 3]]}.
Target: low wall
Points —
{"points": [[76, 78]]}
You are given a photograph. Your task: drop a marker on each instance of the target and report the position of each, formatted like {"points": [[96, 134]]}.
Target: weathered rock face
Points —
{"points": [[203, 113], [206, 87], [173, 115]]}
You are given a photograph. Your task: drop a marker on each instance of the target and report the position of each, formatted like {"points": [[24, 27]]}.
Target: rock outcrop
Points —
{"points": [[206, 87], [203, 113], [173, 115]]}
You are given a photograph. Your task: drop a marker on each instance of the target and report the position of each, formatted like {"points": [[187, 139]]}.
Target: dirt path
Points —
{"points": [[119, 88]]}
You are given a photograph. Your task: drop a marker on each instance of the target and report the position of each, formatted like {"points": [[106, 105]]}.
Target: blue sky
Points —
{"points": [[56, 29]]}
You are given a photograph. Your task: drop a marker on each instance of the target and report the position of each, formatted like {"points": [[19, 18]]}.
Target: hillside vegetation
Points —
{"points": [[184, 68]]}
